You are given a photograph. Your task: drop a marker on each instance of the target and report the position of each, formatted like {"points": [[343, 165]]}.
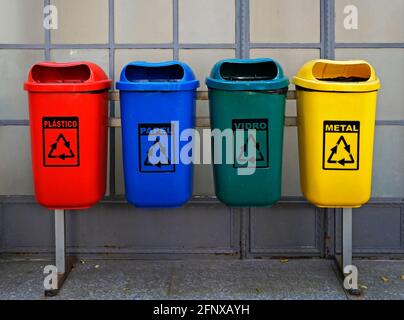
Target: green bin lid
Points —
{"points": [[247, 75]]}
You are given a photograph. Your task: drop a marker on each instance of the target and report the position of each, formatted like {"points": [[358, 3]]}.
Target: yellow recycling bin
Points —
{"points": [[336, 107]]}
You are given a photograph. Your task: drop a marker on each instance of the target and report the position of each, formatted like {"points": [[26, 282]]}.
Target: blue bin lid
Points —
{"points": [[247, 75], [157, 76]]}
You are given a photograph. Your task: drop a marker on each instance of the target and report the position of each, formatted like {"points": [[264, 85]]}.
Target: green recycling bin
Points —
{"points": [[247, 112]]}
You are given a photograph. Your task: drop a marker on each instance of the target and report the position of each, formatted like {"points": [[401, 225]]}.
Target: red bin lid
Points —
{"points": [[66, 77]]}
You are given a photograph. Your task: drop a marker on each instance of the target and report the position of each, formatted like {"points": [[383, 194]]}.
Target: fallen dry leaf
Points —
{"points": [[402, 277], [385, 279], [362, 286], [284, 260], [259, 290]]}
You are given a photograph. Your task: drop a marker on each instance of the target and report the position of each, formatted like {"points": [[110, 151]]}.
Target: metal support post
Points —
{"points": [[63, 264], [344, 258]]}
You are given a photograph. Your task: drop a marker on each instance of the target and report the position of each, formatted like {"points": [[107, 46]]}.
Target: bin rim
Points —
{"points": [[305, 77], [216, 80], [187, 82], [97, 79]]}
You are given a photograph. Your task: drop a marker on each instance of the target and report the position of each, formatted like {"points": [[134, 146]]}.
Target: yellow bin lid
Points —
{"points": [[331, 75]]}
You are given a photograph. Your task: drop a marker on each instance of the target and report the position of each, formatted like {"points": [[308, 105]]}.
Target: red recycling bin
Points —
{"points": [[68, 112]]}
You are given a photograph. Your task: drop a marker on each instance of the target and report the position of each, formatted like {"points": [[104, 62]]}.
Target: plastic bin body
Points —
{"points": [[242, 104], [336, 121], [165, 104], [68, 111]]}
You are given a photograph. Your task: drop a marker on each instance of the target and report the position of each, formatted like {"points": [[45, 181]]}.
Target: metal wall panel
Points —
{"points": [[378, 229], [120, 228], [287, 229]]}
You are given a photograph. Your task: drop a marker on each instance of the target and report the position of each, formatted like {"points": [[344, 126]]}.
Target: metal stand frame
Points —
{"points": [[63, 264], [344, 258]]}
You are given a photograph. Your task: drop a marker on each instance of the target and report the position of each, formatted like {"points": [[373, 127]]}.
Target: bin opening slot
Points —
{"points": [[249, 71], [59, 74], [171, 73], [342, 72]]}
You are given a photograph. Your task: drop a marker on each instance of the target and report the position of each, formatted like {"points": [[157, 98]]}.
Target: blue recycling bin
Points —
{"points": [[157, 105]]}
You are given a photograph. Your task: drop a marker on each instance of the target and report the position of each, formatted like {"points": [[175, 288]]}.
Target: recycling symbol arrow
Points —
{"points": [[244, 149], [334, 151], [53, 151]]}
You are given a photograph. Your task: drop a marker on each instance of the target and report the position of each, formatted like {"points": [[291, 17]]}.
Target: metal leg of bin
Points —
{"points": [[63, 264], [345, 257]]}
